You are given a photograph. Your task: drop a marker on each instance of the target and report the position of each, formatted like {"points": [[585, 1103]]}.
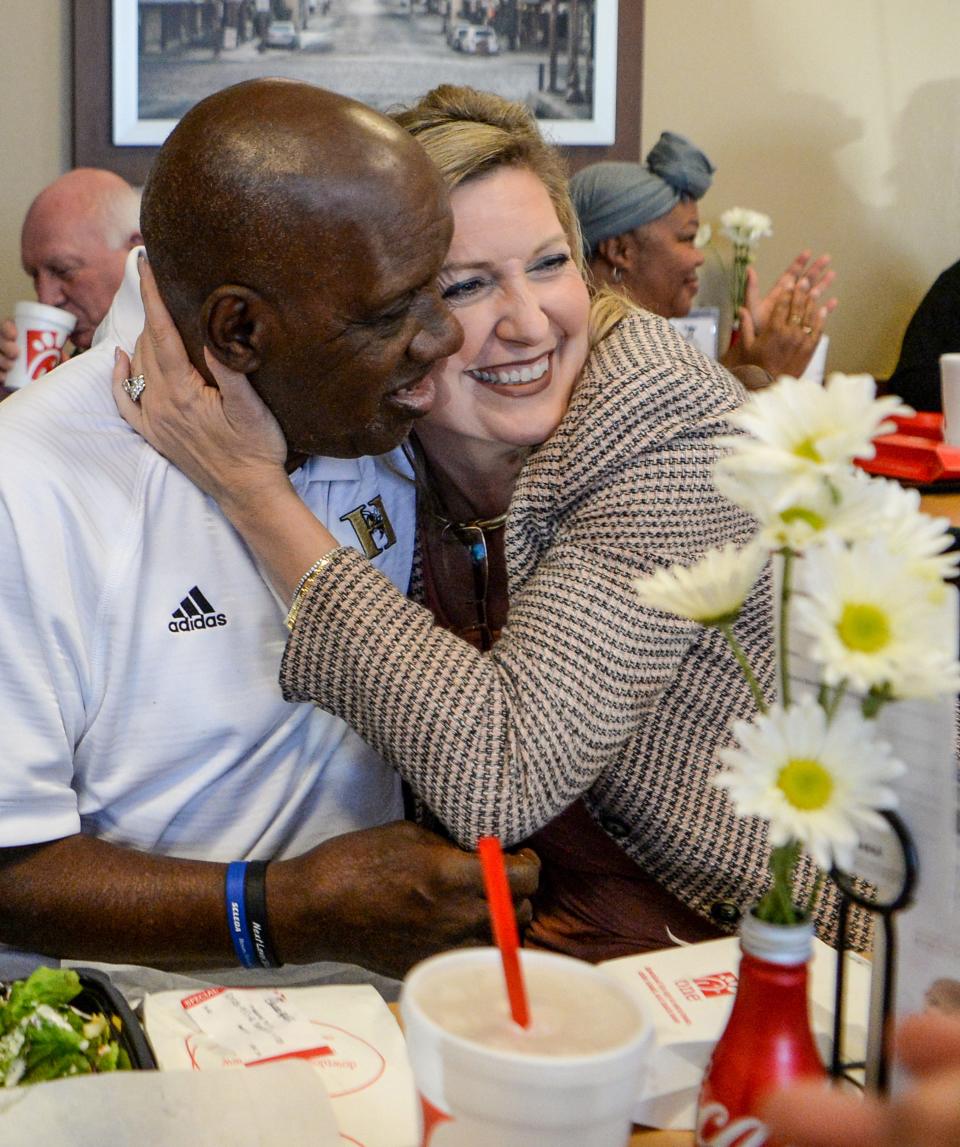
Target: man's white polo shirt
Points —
{"points": [[140, 646]]}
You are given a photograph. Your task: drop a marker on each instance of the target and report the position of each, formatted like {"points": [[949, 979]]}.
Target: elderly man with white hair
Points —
{"points": [[74, 244]]}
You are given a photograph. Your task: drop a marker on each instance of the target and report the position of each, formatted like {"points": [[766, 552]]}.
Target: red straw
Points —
{"points": [[504, 925]]}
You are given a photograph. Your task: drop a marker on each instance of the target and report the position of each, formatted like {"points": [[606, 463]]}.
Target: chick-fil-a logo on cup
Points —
{"points": [[42, 332]]}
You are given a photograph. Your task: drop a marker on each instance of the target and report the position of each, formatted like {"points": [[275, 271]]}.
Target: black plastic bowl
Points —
{"points": [[97, 994]]}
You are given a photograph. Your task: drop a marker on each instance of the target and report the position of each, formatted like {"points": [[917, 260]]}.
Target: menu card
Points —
{"points": [[927, 932], [345, 1033], [924, 735], [687, 993]]}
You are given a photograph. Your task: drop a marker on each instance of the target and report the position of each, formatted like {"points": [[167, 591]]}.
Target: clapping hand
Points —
{"points": [[780, 331]]}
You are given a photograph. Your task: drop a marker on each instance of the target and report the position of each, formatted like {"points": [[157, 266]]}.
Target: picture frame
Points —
{"points": [[108, 130]]}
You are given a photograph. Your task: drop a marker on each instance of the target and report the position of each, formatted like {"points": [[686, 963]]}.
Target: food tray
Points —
{"points": [[99, 995], [915, 452]]}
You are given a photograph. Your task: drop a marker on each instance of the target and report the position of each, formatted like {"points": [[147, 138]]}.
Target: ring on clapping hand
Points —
{"points": [[134, 387], [808, 331]]}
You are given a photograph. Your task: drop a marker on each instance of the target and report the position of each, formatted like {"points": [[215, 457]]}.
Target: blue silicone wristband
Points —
{"points": [[237, 914]]}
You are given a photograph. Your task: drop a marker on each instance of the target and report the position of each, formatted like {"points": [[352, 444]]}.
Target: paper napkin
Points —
{"points": [[284, 1103]]}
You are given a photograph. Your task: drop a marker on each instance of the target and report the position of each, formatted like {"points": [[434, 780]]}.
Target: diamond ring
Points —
{"points": [[135, 387]]}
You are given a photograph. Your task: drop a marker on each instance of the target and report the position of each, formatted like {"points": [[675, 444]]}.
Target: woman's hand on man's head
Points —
{"points": [[222, 437]]}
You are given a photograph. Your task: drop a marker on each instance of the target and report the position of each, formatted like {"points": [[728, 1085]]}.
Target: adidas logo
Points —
{"points": [[195, 612]]}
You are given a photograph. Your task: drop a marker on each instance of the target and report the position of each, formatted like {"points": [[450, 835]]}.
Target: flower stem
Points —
{"points": [[831, 704], [785, 592], [815, 891], [741, 260], [776, 906], [784, 860], [874, 701], [745, 667]]}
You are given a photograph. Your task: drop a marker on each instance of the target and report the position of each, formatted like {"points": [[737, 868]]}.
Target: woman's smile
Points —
{"points": [[516, 378]]}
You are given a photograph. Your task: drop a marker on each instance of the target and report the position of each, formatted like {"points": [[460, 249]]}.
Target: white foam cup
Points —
{"points": [[42, 332], [569, 1080], [815, 368], [950, 397]]}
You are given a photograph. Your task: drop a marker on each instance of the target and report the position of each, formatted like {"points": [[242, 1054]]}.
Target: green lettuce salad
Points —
{"points": [[42, 1036]]}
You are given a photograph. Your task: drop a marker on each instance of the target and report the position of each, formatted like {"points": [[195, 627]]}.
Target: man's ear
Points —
{"points": [[615, 251], [237, 323]]}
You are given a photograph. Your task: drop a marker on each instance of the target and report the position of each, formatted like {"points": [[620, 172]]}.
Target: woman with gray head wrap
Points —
{"points": [[639, 225], [613, 198]]}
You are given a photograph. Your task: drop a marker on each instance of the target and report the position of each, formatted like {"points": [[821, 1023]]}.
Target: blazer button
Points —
{"points": [[614, 826], [725, 912]]}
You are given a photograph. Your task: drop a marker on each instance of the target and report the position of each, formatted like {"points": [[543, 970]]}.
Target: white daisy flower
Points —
{"points": [[799, 429], [745, 228], [933, 676], [870, 618], [764, 495], [865, 506], [711, 591], [849, 504], [918, 538], [855, 507], [791, 515], [813, 781]]}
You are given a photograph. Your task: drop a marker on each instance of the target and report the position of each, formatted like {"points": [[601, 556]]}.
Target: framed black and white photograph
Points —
{"points": [[564, 58]]}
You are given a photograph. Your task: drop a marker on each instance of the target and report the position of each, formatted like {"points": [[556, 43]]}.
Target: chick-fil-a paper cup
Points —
{"points": [[569, 1080], [42, 331]]}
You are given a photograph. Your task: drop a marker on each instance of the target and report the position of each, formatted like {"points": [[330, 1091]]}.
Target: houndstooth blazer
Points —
{"points": [[586, 692]]}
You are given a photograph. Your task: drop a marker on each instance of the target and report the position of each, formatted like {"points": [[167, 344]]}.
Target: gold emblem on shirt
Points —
{"points": [[371, 524]]}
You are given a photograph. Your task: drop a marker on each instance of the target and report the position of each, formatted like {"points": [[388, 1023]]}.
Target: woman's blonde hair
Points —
{"points": [[468, 134]]}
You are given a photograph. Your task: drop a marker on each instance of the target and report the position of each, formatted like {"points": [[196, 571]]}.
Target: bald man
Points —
{"points": [[74, 242], [158, 796]]}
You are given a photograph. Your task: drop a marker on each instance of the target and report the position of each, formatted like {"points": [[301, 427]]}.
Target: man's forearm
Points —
{"points": [[381, 897], [84, 898]]}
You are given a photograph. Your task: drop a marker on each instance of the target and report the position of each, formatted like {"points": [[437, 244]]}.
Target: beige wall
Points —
{"points": [[840, 118], [34, 122]]}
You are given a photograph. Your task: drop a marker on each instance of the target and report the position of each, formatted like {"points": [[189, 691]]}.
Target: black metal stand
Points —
{"points": [[885, 908]]}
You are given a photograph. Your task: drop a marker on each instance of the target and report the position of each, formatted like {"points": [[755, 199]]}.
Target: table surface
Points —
{"points": [[661, 1138], [942, 506]]}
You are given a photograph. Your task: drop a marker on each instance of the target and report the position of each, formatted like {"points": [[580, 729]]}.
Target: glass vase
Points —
{"points": [[767, 1042]]}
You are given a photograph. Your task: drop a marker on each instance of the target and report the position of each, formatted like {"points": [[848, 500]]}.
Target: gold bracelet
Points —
{"points": [[306, 583]]}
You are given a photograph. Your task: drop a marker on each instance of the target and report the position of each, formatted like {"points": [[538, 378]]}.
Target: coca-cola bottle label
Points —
{"points": [[715, 1128]]}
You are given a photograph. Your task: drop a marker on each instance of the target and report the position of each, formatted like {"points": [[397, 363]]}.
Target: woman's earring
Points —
{"points": [[616, 274]]}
